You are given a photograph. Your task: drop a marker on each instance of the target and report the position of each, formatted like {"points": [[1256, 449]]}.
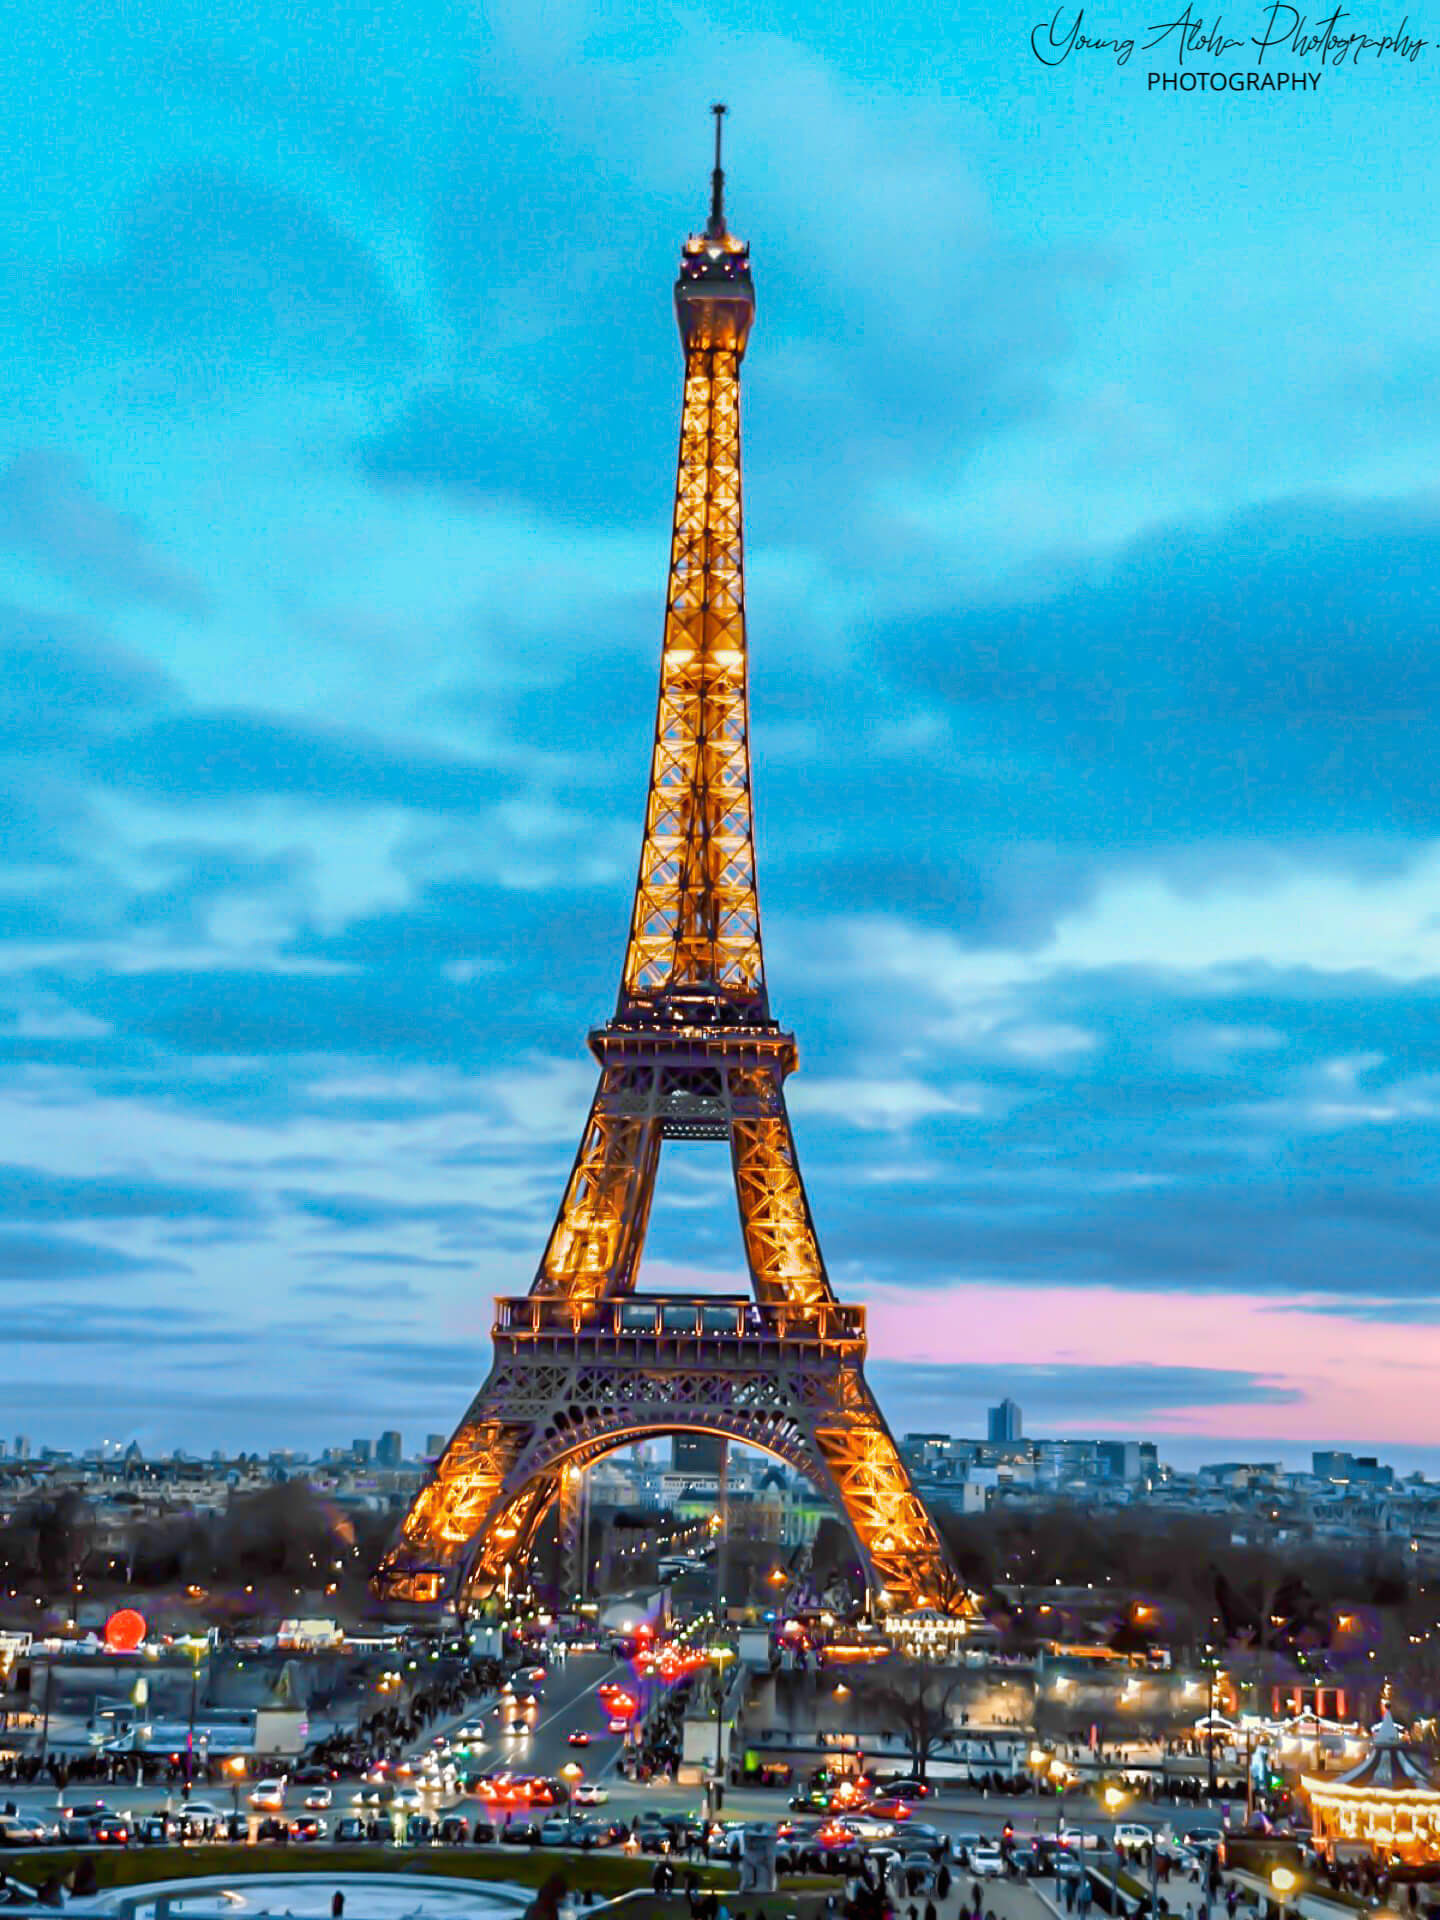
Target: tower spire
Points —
{"points": [[715, 228]]}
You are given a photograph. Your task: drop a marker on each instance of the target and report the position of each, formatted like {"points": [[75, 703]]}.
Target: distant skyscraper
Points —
{"points": [[361, 1451], [22, 1446], [434, 1445], [388, 1450], [696, 1452], [1005, 1422]]}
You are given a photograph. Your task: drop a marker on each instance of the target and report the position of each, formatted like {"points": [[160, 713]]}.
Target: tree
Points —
{"points": [[917, 1699]]}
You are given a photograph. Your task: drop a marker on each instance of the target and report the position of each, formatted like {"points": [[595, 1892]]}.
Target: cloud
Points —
{"points": [[1054, 1391], [214, 269], [50, 513], [33, 1194], [237, 755], [34, 1259]]}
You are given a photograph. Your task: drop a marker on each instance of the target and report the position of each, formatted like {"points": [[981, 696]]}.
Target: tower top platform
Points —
{"points": [[714, 294]]}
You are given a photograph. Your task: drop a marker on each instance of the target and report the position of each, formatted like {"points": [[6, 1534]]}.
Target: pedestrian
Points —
{"points": [[337, 1905], [942, 1881], [930, 1913]]}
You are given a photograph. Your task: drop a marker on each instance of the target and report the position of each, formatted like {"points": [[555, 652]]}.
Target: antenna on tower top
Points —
{"points": [[715, 230]]}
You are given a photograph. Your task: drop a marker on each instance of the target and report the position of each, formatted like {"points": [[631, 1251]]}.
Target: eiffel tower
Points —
{"points": [[582, 1364]]}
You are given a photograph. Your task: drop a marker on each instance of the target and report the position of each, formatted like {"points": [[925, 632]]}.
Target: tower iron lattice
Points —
{"points": [[582, 1364]]}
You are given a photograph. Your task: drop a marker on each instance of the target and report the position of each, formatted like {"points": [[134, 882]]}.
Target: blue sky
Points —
{"points": [[1093, 533]]}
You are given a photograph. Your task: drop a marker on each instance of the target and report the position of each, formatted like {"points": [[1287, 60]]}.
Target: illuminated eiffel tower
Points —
{"points": [[582, 1364]]}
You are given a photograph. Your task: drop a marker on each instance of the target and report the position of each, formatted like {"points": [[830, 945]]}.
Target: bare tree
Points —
{"points": [[918, 1701]]}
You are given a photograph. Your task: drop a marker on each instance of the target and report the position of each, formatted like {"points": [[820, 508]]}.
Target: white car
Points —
{"points": [[1130, 1834], [1079, 1840], [865, 1828], [987, 1861], [200, 1815], [319, 1799], [407, 1800], [589, 1794], [268, 1796]]}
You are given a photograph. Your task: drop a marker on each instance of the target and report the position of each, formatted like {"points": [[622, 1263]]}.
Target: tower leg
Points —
{"points": [[910, 1564]]}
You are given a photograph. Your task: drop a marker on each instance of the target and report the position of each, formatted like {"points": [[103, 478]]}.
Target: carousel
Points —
{"points": [[1387, 1805]]}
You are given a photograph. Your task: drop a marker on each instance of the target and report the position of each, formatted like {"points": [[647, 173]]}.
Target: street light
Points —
{"points": [[719, 1655], [1282, 1879]]}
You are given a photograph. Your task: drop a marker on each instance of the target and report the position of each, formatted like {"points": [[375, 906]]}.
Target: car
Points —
{"points": [[419, 1830], [918, 1869], [599, 1833], [75, 1825], [319, 1799], [987, 1860], [198, 1819], [529, 1700], [307, 1826], [555, 1832], [473, 1731], [922, 1838], [520, 1727], [268, 1796], [482, 1832], [352, 1831], [865, 1826], [454, 1830], [21, 1830], [617, 1725], [886, 1807], [157, 1829], [314, 1776], [1131, 1835], [1065, 1866], [273, 1829], [1080, 1839], [589, 1793], [580, 1738], [907, 1790], [112, 1830], [520, 1833], [406, 1800]]}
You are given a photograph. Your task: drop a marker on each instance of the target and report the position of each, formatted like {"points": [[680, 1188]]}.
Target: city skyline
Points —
{"points": [[1092, 684]]}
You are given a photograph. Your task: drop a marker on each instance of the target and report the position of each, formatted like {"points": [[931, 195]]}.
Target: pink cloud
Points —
{"points": [[1357, 1380]]}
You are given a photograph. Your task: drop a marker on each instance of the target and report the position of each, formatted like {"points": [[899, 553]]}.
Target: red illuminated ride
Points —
{"points": [[125, 1630]]}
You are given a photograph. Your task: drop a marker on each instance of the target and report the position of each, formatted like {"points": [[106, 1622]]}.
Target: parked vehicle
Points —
{"points": [[198, 1819], [307, 1827], [482, 1832], [988, 1861], [351, 1831], [520, 1833], [20, 1830]]}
